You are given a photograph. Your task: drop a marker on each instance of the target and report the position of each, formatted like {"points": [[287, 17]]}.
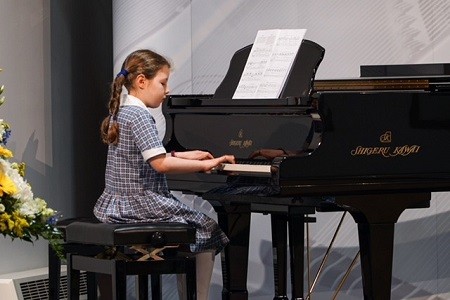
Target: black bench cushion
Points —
{"points": [[129, 234], [63, 223]]}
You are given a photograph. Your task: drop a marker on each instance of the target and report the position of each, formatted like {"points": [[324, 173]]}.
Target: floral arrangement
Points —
{"points": [[22, 215]]}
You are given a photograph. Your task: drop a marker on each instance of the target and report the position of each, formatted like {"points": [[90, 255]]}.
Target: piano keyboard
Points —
{"points": [[245, 169]]}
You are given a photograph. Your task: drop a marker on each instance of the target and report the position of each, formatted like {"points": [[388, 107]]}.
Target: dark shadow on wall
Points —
{"points": [[92, 73], [82, 68]]}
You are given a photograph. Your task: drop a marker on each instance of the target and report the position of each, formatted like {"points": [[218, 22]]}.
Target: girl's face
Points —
{"points": [[153, 91]]}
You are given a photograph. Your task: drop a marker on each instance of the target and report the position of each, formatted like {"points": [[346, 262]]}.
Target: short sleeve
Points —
{"points": [[145, 134]]}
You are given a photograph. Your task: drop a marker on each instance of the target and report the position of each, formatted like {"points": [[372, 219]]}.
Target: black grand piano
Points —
{"points": [[371, 146]]}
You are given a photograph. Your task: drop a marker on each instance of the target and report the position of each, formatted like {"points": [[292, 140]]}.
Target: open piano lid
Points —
{"points": [[297, 89]]}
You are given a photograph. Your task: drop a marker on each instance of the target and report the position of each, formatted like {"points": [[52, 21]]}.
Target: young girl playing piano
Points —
{"points": [[135, 185]]}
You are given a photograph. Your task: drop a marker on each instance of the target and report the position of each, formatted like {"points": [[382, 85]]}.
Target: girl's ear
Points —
{"points": [[140, 81]]}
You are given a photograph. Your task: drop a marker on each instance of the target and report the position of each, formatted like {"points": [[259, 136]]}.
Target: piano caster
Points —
{"points": [[281, 298]]}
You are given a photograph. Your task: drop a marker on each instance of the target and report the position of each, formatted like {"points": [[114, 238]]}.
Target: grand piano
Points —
{"points": [[370, 146]]}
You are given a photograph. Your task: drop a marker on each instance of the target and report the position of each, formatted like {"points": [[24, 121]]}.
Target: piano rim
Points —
{"points": [[363, 186]]}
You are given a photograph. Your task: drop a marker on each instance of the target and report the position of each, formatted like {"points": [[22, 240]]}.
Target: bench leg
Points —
{"points": [[119, 281], [91, 279], [54, 274], [156, 286], [142, 287], [191, 279], [73, 280]]}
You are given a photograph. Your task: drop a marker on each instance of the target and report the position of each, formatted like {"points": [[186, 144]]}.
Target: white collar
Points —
{"points": [[129, 100]]}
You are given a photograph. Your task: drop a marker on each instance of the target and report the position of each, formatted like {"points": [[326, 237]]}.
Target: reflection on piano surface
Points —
{"points": [[370, 146]]}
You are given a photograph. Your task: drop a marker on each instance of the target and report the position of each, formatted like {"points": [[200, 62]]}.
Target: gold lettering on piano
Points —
{"points": [[386, 151], [406, 150], [241, 142]]}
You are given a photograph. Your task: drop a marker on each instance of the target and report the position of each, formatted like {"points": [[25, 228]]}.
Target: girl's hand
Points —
{"points": [[268, 153], [226, 159], [213, 163]]}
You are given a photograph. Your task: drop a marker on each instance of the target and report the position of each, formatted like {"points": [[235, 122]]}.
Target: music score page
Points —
{"points": [[269, 63]]}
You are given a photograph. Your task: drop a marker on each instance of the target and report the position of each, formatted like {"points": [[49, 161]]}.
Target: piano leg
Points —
{"points": [[294, 220], [235, 222], [279, 244], [376, 216], [297, 252], [376, 245]]}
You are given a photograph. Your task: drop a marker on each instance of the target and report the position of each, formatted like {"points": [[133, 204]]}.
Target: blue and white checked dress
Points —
{"points": [[134, 192]]}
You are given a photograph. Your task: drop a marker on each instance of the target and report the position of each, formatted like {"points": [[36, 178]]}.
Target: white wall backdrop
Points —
{"points": [[24, 58], [41, 73], [200, 36]]}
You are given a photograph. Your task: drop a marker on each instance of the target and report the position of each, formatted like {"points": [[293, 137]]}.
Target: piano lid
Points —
{"points": [[433, 84], [242, 126], [300, 80], [408, 77], [403, 70]]}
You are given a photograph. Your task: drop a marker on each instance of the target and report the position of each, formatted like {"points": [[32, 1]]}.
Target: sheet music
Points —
{"points": [[269, 63]]}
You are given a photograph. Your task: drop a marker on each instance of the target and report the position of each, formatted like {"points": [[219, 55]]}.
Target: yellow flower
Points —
{"points": [[6, 223], [6, 153], [20, 224], [7, 186]]}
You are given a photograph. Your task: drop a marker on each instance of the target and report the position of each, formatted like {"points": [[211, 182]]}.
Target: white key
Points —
{"points": [[244, 168]]}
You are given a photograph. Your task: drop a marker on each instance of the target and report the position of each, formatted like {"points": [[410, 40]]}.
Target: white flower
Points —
{"points": [[24, 192], [2, 208], [28, 209]]}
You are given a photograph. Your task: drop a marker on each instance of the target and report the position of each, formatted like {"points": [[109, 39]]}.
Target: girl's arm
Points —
{"points": [[203, 163], [196, 154]]}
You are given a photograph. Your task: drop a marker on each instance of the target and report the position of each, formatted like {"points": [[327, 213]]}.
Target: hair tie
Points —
{"points": [[123, 72]]}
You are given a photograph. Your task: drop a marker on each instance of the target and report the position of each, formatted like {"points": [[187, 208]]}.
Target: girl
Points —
{"points": [[135, 185]]}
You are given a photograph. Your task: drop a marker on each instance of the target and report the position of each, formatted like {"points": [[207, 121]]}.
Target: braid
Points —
{"points": [[109, 129]]}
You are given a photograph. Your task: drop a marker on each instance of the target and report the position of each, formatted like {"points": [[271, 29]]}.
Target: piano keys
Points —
{"points": [[245, 169], [367, 146]]}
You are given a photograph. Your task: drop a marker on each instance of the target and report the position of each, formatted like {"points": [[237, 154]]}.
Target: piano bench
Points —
{"points": [[130, 249], [55, 290]]}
